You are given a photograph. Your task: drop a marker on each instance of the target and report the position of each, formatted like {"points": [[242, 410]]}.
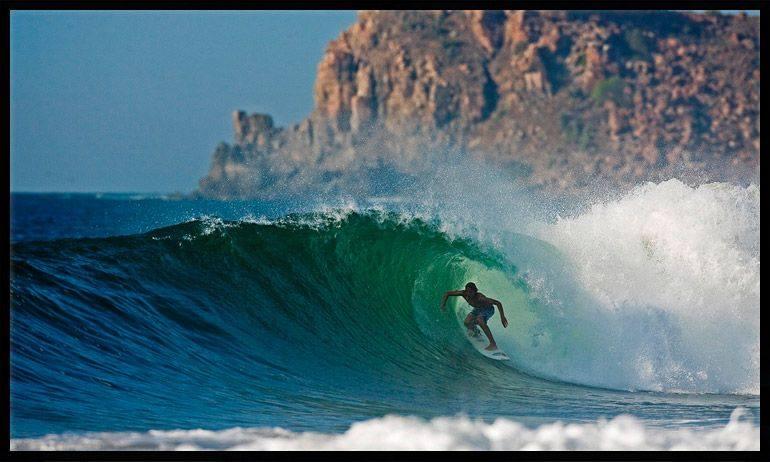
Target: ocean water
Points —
{"points": [[139, 322]]}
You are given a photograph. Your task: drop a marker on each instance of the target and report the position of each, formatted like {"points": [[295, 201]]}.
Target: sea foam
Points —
{"points": [[395, 432], [673, 275]]}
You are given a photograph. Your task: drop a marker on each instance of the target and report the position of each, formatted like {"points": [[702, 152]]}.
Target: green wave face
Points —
{"points": [[321, 296], [367, 286]]}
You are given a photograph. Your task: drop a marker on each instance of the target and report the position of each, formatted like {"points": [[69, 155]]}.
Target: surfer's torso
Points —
{"points": [[478, 300]]}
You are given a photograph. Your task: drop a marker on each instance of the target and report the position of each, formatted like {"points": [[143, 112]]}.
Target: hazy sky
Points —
{"points": [[137, 101]]}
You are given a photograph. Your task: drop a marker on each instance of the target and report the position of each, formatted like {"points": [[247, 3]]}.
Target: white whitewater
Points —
{"points": [[413, 433]]}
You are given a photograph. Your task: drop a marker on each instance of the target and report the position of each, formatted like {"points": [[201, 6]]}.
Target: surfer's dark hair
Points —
{"points": [[471, 285]]}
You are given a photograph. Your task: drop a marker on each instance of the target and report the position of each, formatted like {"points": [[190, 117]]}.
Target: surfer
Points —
{"points": [[483, 309]]}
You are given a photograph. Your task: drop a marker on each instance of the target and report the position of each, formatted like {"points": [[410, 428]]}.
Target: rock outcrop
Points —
{"points": [[560, 99]]}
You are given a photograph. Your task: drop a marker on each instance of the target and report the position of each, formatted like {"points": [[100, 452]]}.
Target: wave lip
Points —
{"points": [[394, 432]]}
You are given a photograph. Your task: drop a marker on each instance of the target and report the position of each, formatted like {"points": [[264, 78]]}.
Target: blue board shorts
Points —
{"points": [[486, 313]]}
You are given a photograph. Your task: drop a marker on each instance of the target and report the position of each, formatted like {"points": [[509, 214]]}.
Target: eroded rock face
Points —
{"points": [[252, 130], [571, 96]]}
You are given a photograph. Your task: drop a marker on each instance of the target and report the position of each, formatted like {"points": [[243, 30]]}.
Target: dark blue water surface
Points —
{"points": [[136, 312], [68, 215]]}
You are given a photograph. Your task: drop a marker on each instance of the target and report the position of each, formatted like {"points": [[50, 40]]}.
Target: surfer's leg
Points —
{"points": [[470, 324], [470, 320], [483, 324]]}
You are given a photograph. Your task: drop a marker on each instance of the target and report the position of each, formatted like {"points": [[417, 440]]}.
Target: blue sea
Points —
{"points": [[140, 321]]}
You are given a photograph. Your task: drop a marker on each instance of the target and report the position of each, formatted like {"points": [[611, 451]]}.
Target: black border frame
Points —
{"points": [[8, 6]]}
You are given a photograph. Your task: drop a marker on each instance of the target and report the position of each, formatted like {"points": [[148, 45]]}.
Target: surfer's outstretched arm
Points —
{"points": [[453, 293]]}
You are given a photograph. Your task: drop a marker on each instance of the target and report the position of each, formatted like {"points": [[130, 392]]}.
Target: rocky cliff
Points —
{"points": [[559, 99]]}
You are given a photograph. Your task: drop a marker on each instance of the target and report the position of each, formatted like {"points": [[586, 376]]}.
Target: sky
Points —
{"points": [[137, 101]]}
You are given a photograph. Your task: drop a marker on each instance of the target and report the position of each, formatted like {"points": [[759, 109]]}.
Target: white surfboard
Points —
{"points": [[479, 341]]}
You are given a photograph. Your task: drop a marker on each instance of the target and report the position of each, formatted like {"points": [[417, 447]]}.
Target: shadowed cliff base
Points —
{"points": [[560, 101]]}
